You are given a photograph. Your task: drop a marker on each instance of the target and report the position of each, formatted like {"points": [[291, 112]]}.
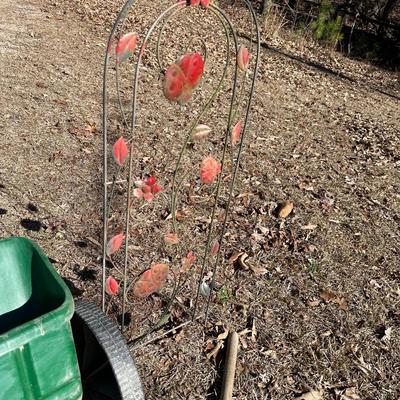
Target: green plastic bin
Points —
{"points": [[37, 352]]}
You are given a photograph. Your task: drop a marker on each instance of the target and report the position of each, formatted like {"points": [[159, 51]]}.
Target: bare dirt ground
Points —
{"points": [[324, 313]]}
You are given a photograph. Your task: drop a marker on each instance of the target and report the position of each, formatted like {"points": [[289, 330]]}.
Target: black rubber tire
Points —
{"points": [[107, 368]]}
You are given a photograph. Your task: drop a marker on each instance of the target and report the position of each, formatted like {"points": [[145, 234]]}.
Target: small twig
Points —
{"points": [[136, 345]]}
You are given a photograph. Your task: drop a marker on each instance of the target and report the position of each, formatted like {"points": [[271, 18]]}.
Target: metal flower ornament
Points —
{"points": [[183, 77], [169, 183]]}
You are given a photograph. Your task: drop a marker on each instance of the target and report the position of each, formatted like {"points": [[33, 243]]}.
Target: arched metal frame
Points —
{"points": [[230, 34]]}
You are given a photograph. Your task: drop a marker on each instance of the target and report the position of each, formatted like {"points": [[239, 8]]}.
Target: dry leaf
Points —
{"points": [[245, 331], [258, 270], [330, 297], [285, 209], [327, 296], [342, 303], [243, 342], [91, 128], [388, 334], [214, 352], [61, 102], [309, 227], [223, 335], [234, 257], [242, 261], [242, 257], [180, 336], [313, 395], [254, 331], [306, 186], [73, 130], [313, 303], [209, 345], [270, 353], [350, 394], [181, 215]]}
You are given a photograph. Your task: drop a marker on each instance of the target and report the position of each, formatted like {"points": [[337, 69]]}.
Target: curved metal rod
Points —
{"points": [[133, 120], [214, 94], [160, 66], [221, 14], [121, 16], [175, 187], [255, 72], [203, 43], [121, 107], [173, 13]]}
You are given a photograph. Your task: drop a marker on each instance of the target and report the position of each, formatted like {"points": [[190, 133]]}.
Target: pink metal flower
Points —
{"points": [[125, 47], [235, 136], [112, 286], [209, 169], [174, 82], [243, 58], [151, 280], [115, 243], [120, 151], [183, 77], [147, 188]]}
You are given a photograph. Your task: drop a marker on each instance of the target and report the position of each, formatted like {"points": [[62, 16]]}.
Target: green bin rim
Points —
{"points": [[18, 336]]}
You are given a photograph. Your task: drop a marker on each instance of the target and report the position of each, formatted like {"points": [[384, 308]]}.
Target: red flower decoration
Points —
{"points": [[115, 243], [204, 3], [183, 77], [151, 180], [209, 169], [236, 133], [151, 280], [156, 188], [243, 58], [120, 151], [192, 66], [125, 47], [147, 189], [174, 82], [148, 196], [112, 286]]}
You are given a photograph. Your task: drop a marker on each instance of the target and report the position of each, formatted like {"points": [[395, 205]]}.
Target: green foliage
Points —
{"points": [[224, 295], [312, 266], [326, 29]]}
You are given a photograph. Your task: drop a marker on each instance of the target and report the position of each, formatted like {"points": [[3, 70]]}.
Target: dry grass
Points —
{"points": [[273, 21]]}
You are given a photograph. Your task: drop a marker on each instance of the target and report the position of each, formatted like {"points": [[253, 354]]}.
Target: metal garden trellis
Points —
{"points": [[130, 125]]}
